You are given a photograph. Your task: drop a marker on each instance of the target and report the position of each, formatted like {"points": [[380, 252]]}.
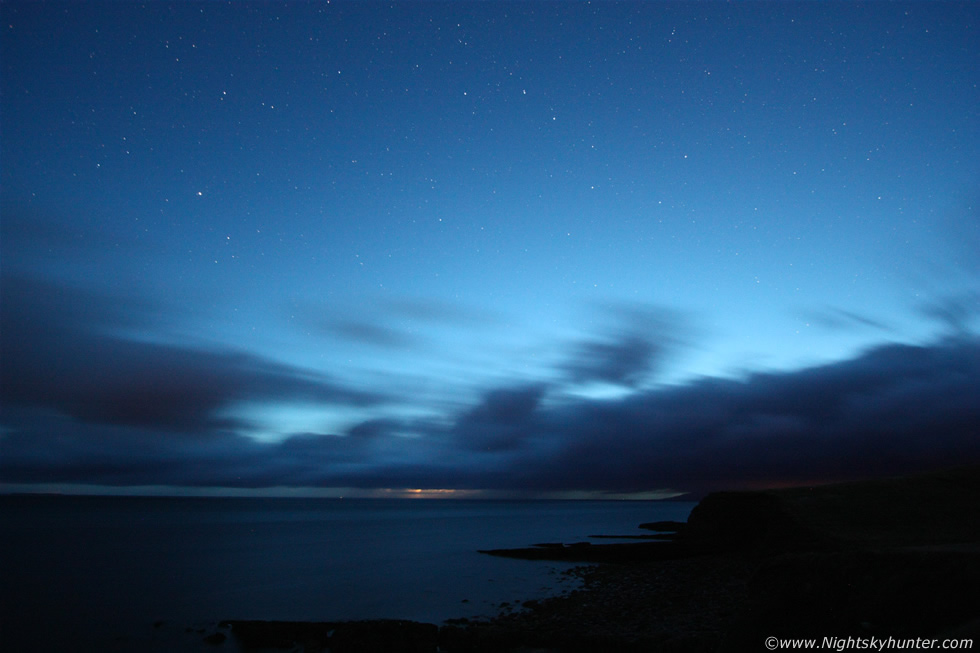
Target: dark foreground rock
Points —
{"points": [[664, 526], [337, 637], [886, 558], [891, 593], [673, 605]]}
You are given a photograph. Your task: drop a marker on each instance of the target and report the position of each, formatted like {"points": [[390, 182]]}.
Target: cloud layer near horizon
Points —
{"points": [[84, 404]]}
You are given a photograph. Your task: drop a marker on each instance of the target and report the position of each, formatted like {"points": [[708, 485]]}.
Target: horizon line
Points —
{"points": [[306, 492]]}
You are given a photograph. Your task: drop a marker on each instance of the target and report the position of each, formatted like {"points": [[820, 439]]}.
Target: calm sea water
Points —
{"points": [[95, 573]]}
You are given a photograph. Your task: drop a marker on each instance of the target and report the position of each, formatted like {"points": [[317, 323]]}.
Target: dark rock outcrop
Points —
{"points": [[721, 522], [727, 521], [664, 526], [215, 639]]}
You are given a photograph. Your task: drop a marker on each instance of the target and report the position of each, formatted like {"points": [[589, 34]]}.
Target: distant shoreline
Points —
{"points": [[346, 494]]}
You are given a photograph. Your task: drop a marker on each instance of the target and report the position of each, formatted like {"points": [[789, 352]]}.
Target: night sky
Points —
{"points": [[521, 247]]}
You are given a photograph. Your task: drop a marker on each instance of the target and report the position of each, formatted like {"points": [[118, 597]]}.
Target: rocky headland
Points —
{"points": [[885, 558]]}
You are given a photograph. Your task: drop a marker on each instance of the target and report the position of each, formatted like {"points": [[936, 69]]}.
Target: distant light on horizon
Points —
{"points": [[285, 492]]}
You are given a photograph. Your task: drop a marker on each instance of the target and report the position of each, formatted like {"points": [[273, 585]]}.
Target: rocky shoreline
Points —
{"points": [[895, 558]]}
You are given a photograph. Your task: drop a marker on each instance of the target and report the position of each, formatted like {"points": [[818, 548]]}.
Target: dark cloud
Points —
{"points": [[309, 459], [503, 420], [372, 333], [27, 234], [54, 447], [625, 361], [844, 320], [956, 313], [629, 351], [372, 429], [389, 324], [375, 330], [81, 405], [949, 284], [60, 353], [894, 409], [438, 312]]}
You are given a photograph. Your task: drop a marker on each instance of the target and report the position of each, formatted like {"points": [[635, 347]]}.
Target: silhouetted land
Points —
{"points": [[886, 558]]}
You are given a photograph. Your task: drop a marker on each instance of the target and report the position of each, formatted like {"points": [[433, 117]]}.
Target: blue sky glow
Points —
{"points": [[326, 236]]}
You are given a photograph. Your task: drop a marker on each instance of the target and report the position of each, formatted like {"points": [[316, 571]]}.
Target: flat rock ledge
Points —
{"points": [[397, 636]]}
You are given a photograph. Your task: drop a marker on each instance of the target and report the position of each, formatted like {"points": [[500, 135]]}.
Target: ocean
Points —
{"points": [[85, 573]]}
